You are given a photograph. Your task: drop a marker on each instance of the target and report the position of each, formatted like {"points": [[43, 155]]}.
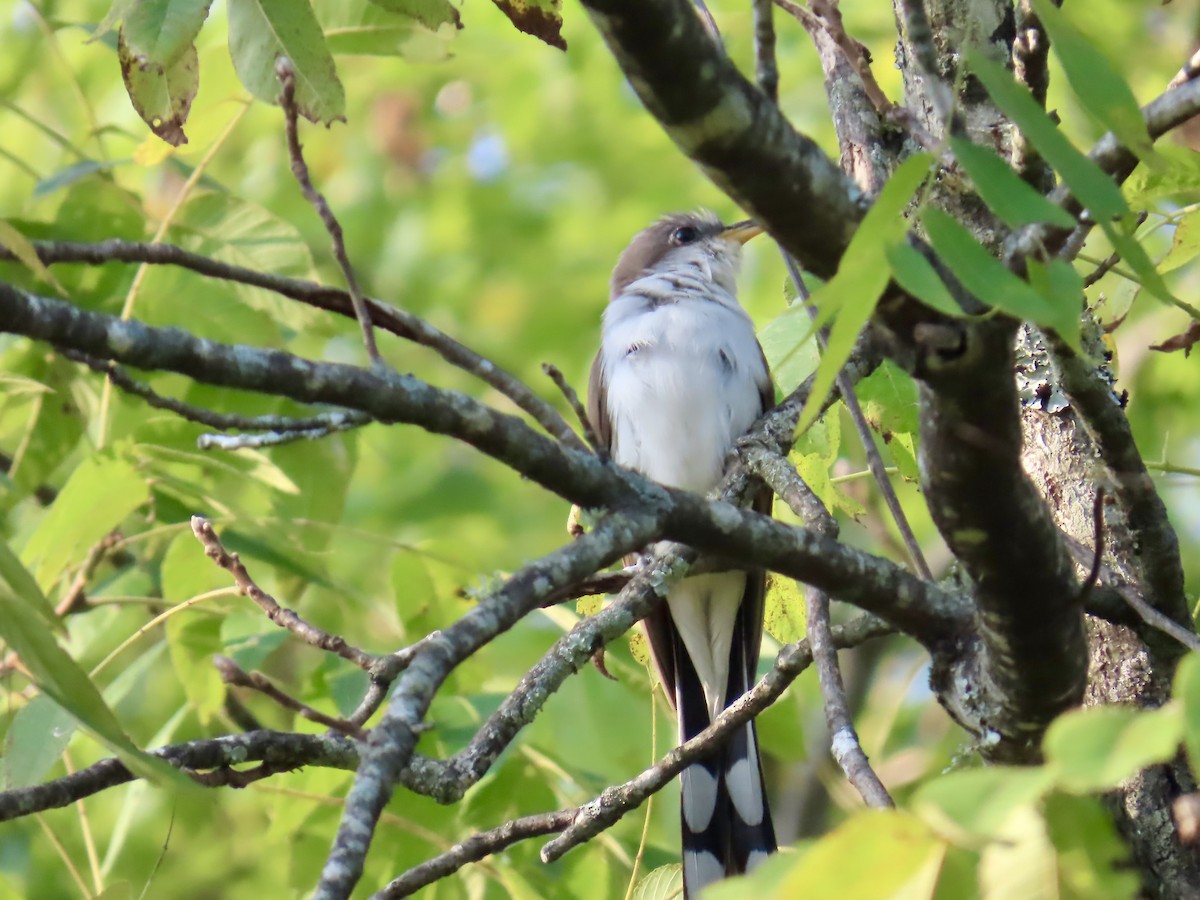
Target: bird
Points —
{"points": [[678, 378]]}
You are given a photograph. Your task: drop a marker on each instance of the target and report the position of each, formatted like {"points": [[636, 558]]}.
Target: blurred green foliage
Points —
{"points": [[486, 182]]}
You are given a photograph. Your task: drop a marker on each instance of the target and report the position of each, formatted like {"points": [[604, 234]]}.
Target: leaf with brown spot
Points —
{"points": [[1183, 341], [541, 18], [161, 95]]}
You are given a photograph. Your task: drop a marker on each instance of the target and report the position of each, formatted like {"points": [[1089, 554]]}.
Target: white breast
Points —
{"points": [[683, 382]]}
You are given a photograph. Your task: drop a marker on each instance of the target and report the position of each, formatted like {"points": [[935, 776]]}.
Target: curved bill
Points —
{"points": [[742, 231]]}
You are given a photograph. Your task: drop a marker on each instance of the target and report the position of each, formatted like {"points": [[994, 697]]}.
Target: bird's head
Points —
{"points": [[681, 241]]}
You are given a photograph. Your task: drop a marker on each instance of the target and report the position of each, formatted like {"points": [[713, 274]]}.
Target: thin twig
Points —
{"points": [[284, 618], [577, 407], [286, 73], [474, 849], [1098, 545], [385, 316], [843, 739], [766, 70], [614, 802], [233, 674], [831, 17], [1104, 267], [874, 459], [324, 423]]}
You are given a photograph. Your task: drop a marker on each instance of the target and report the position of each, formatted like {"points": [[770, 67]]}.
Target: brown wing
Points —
{"points": [[597, 405]]}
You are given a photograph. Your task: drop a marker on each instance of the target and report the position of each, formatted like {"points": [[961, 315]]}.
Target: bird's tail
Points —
{"points": [[726, 822]]}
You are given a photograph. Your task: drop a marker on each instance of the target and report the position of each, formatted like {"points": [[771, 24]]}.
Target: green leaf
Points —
{"points": [[988, 279], [1177, 173], [540, 18], [1098, 84], [20, 247], [1090, 185], [1136, 257], [980, 801], [1096, 749], [260, 31], [916, 274], [1187, 692], [663, 883], [1092, 860], [194, 637], [784, 612], [60, 678], [1009, 196], [17, 579], [870, 849], [162, 31], [1185, 243], [1062, 289], [789, 346], [37, 737], [100, 493], [72, 173], [430, 13], [862, 275], [161, 94]]}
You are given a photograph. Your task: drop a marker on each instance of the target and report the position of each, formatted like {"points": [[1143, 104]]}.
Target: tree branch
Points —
{"points": [[389, 318]]}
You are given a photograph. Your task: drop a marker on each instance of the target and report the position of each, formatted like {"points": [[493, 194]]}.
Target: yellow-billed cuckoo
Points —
{"points": [[679, 377]]}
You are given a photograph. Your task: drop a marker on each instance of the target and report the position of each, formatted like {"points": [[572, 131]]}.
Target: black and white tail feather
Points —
{"points": [[679, 377]]}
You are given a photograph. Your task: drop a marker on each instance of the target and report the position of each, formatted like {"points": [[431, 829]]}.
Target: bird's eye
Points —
{"points": [[684, 235]]}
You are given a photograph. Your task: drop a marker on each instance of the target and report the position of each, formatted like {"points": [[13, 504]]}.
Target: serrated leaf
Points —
{"points": [[162, 31], [162, 94], [1097, 83], [916, 274], [430, 13], [540, 18], [1090, 185], [663, 883], [862, 275], [1006, 194], [20, 247], [988, 279], [784, 614], [1096, 749], [100, 493], [261, 31]]}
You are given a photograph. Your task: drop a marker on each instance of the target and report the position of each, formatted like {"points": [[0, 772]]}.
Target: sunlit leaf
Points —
{"points": [[982, 801], [862, 275], [1092, 859], [784, 615], [1096, 749], [100, 493], [663, 883]]}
